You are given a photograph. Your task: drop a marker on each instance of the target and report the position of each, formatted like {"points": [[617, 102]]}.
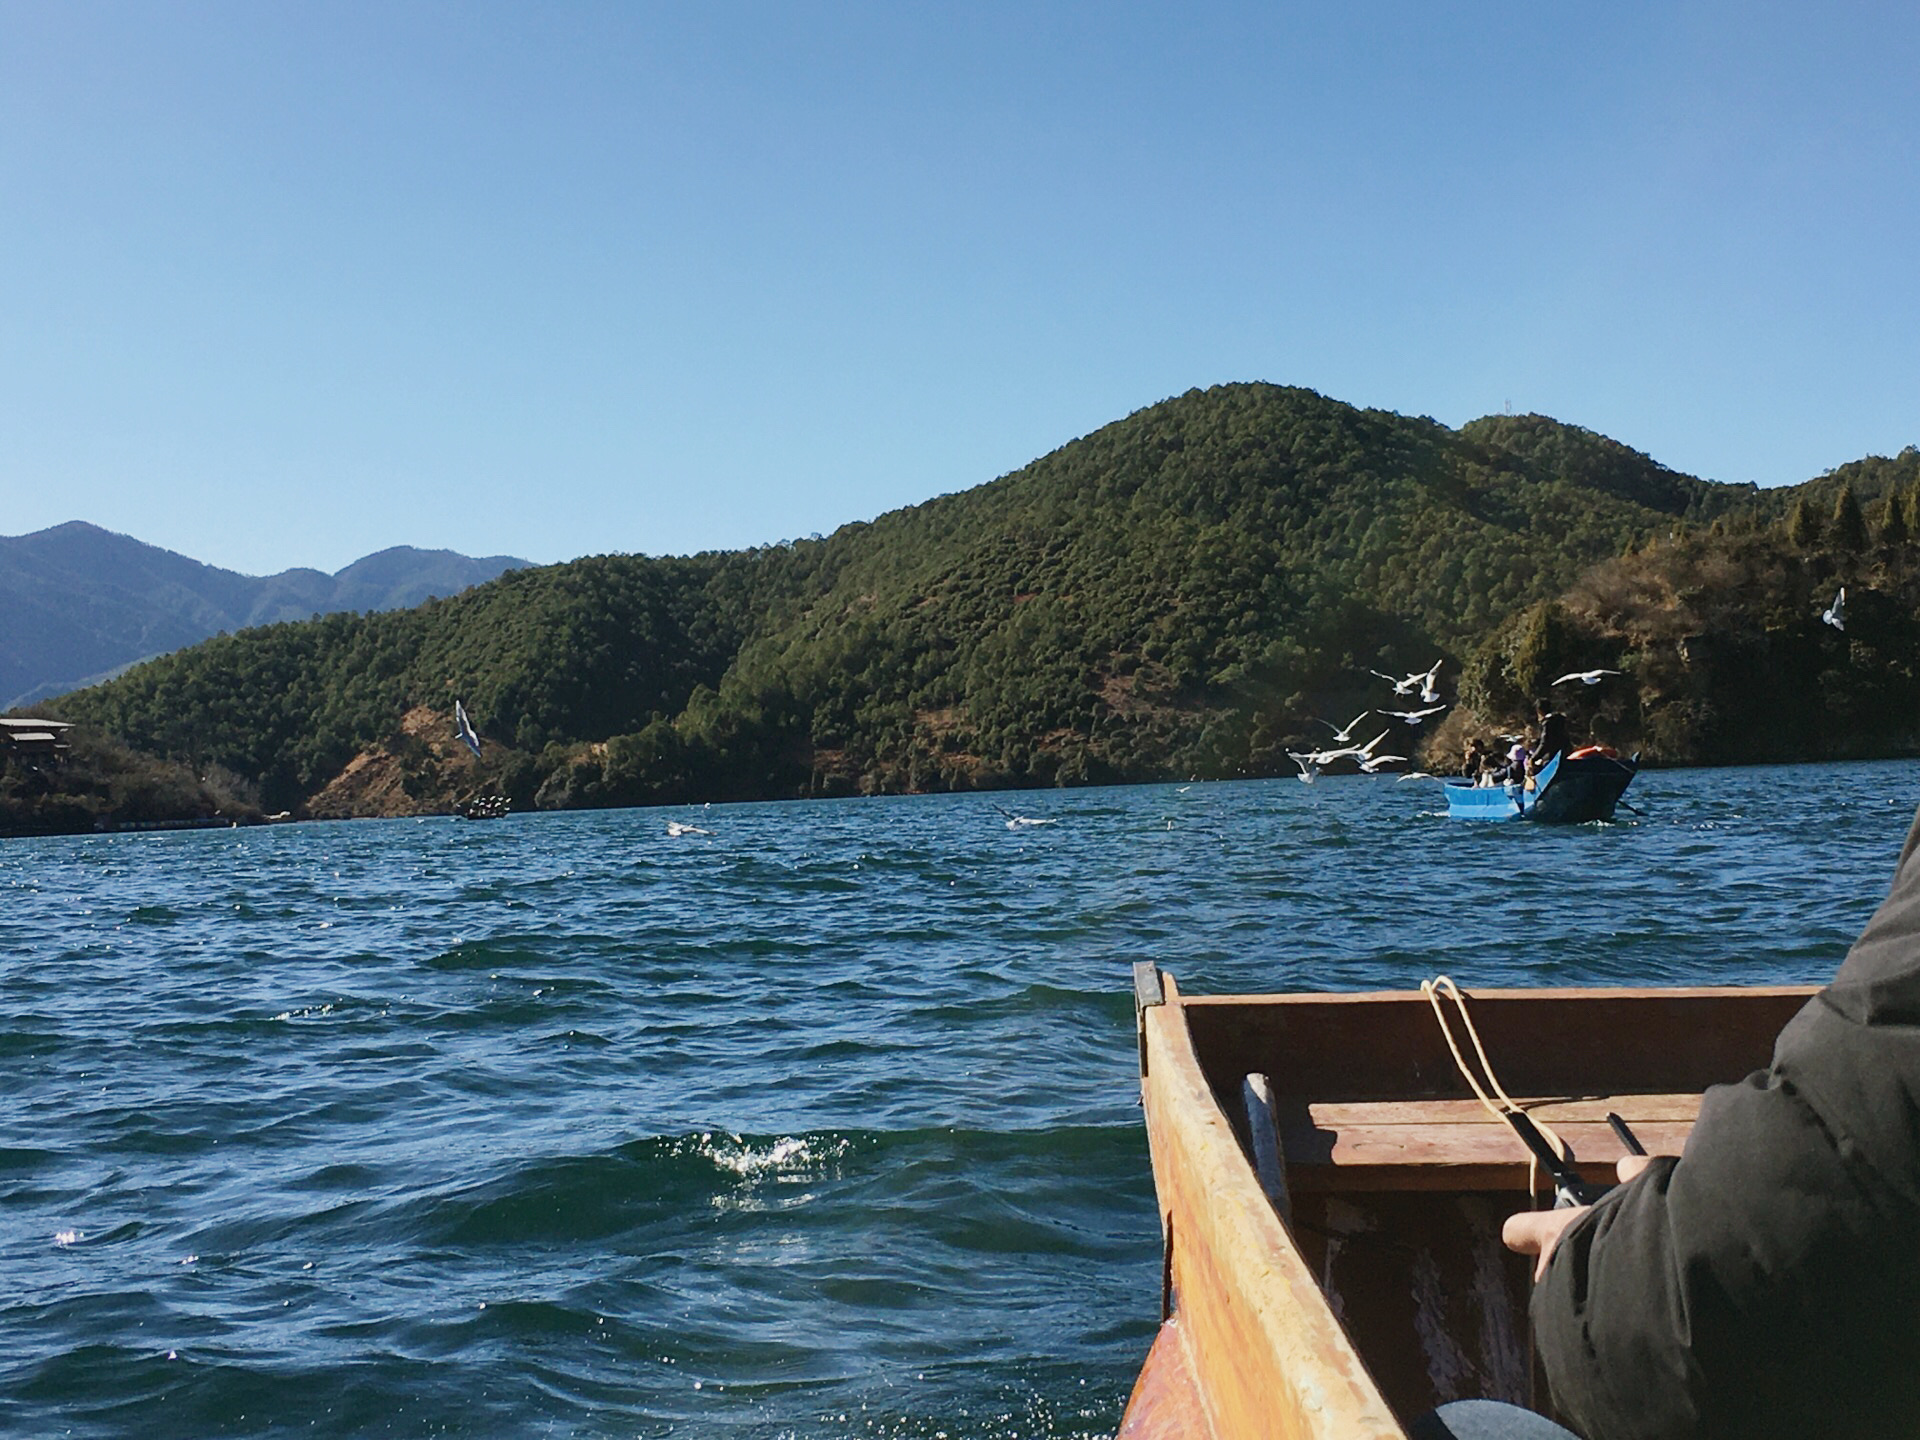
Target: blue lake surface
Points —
{"points": [[824, 1124]]}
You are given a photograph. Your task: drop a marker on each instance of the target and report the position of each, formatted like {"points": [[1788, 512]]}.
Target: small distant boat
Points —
{"points": [[1330, 1191], [1570, 789], [484, 807]]}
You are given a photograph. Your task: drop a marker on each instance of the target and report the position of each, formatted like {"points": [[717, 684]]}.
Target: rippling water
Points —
{"points": [[822, 1125]]}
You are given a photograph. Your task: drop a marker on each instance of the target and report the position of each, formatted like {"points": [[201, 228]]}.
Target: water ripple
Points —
{"points": [[822, 1125]]}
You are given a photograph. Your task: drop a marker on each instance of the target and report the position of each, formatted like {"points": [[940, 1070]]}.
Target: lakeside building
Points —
{"points": [[34, 739]]}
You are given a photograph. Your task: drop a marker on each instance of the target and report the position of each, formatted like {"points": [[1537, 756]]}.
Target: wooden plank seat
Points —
{"points": [[1456, 1145]]}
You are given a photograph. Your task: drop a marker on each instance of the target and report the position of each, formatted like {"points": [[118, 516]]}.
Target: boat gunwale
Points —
{"points": [[1237, 1280]]}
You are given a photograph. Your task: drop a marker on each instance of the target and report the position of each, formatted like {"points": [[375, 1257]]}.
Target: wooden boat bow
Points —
{"points": [[1384, 1290]]}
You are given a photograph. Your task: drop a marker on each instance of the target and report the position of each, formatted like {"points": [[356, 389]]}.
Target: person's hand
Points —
{"points": [[1628, 1166], [1536, 1232]]}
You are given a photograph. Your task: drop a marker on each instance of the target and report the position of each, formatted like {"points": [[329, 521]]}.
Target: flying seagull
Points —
{"points": [[1414, 717], [1309, 766], [1836, 613], [1585, 677], [676, 829], [1358, 752], [1414, 775], [1016, 821], [1344, 733], [1373, 763], [463, 727], [1421, 682]]}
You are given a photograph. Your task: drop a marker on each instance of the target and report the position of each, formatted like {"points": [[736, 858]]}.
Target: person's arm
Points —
{"points": [[1537, 1232], [1739, 1291]]}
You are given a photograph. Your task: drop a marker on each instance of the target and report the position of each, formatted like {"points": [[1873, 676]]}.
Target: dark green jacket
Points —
{"points": [[1767, 1283]]}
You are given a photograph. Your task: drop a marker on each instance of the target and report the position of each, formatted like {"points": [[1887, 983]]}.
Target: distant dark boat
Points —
{"points": [[1584, 785]]}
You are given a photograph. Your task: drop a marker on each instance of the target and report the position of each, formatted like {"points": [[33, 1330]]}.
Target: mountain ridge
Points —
{"points": [[87, 602], [1186, 591]]}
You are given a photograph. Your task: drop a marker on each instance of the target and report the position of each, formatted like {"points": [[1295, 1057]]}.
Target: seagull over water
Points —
{"points": [[1344, 733], [1836, 613], [1309, 766], [1016, 821], [1358, 752], [1421, 682], [1373, 763], [676, 829], [1585, 677]]}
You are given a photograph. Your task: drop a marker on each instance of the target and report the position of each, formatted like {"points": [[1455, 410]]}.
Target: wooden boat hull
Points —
{"points": [[1364, 1283], [1568, 791]]}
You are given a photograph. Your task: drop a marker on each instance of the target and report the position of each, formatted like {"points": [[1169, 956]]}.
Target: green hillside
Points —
{"points": [[1719, 635], [1174, 594]]}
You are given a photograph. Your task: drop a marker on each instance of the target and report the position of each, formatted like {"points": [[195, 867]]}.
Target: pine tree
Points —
{"points": [[1849, 526], [1893, 520], [1803, 527]]}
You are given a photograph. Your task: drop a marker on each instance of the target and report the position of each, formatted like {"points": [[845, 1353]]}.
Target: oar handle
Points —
{"points": [[1627, 1137]]}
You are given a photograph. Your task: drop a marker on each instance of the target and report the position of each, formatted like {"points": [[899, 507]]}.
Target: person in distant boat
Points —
{"points": [[1554, 737], [1766, 1283], [1515, 770], [1478, 758]]}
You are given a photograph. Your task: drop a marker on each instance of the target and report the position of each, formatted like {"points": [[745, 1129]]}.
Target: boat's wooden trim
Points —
{"points": [[1563, 1042], [1261, 1352]]}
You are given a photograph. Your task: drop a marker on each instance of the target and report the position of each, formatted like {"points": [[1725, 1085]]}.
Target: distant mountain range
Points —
{"points": [[83, 603]]}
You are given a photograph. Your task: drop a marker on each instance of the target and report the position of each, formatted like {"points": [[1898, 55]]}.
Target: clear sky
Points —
{"points": [[287, 283]]}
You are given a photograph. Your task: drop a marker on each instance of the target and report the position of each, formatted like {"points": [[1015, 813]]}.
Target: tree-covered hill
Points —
{"points": [[1176, 593], [1720, 636]]}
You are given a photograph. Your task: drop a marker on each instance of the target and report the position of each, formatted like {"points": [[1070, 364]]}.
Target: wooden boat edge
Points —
{"points": [[1247, 1330]]}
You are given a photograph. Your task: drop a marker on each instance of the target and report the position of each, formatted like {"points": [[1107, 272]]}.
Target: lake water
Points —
{"points": [[825, 1124]]}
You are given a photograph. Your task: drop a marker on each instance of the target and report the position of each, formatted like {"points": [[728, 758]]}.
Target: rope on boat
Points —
{"points": [[1442, 985]]}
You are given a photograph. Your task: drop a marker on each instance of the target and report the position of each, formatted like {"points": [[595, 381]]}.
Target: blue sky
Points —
{"points": [[284, 284]]}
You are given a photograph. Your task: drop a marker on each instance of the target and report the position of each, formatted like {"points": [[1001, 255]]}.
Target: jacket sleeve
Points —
{"points": [[1697, 1301], [1763, 1284]]}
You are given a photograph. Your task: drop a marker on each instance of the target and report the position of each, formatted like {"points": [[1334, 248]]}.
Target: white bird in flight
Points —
{"points": [[1016, 821], [676, 829], [1344, 733], [1836, 613], [1585, 677], [1309, 766], [1421, 682], [1414, 717], [1373, 763], [1358, 752]]}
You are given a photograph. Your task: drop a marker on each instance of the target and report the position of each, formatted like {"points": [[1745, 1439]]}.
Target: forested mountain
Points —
{"points": [[82, 601], [1177, 593], [1721, 636]]}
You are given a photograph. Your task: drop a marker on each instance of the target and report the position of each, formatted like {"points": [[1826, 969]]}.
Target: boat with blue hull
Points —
{"points": [[1569, 790]]}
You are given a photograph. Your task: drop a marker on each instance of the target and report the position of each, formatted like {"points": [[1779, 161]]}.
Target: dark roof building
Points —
{"points": [[33, 737]]}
